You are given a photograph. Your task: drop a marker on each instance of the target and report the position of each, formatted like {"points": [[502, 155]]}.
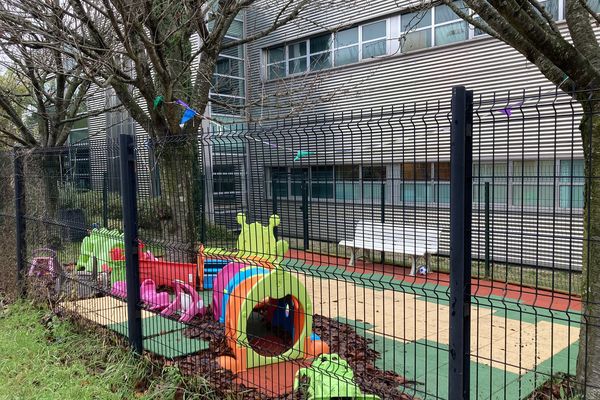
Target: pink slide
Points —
{"points": [[187, 303], [155, 300]]}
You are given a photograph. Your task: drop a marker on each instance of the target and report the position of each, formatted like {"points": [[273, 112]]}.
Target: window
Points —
{"points": [[449, 27], [227, 93], [374, 40], [496, 174], [347, 185], [320, 52], [325, 51], [346, 46], [224, 179], [424, 182], [276, 62], [297, 58], [417, 30], [433, 27], [373, 182], [340, 182], [533, 183], [551, 6], [571, 184]]}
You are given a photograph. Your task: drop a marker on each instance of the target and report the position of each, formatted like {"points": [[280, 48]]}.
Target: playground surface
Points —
{"points": [[518, 335]]}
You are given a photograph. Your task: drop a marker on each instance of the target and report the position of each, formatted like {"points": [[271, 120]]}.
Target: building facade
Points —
{"points": [[342, 57]]}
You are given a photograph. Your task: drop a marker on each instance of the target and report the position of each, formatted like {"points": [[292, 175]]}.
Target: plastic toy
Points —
{"points": [[187, 303], [268, 317], [101, 243], [155, 300], [330, 377], [44, 265], [220, 284], [256, 242]]}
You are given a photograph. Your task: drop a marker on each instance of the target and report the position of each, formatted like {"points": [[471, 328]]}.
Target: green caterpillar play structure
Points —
{"points": [[100, 244], [330, 377], [256, 242]]}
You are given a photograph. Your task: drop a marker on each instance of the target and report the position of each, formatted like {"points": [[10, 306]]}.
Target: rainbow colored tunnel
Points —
{"points": [[267, 315]]}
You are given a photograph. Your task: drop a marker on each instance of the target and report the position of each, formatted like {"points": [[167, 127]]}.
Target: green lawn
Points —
{"points": [[44, 357]]}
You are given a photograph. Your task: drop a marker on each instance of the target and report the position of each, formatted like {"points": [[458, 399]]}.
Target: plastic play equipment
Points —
{"points": [[330, 377], [267, 315], [155, 300], [187, 303], [107, 247], [256, 242], [101, 244], [44, 263]]}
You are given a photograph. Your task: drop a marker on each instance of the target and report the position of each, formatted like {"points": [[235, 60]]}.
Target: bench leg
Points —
{"points": [[413, 269]]}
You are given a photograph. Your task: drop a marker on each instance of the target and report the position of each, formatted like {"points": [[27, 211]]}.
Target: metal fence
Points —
{"points": [[427, 250]]}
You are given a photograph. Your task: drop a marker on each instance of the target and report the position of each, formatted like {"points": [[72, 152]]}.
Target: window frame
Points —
{"points": [[432, 26], [359, 198], [572, 182], [331, 51]]}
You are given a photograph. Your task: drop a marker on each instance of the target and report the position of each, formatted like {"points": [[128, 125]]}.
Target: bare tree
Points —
{"points": [[569, 57], [152, 53], [42, 96]]}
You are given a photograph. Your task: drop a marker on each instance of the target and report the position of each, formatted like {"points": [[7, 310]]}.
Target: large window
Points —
{"points": [[76, 161], [432, 27], [328, 182], [325, 51], [228, 83], [515, 184]]}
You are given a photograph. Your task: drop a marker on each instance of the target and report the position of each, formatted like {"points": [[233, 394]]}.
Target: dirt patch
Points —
{"points": [[560, 386]]}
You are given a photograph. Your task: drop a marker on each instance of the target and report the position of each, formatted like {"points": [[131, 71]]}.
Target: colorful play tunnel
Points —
{"points": [[267, 315]]}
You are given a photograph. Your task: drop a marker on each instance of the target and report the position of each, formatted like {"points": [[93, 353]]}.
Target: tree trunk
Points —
{"points": [[178, 166], [588, 360], [51, 176]]}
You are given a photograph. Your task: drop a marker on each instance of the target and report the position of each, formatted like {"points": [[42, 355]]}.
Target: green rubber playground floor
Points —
{"points": [[161, 336]]}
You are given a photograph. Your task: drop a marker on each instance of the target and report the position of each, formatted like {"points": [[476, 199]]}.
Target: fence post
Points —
{"points": [[274, 200], [461, 189], [202, 208], [21, 245], [487, 229], [305, 232], [105, 200], [382, 215], [129, 200]]}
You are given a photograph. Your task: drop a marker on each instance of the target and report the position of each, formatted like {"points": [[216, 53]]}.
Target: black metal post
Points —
{"points": [[105, 200], [274, 201], [461, 189], [129, 199], [202, 209], [20, 227], [487, 229], [382, 215], [305, 232]]}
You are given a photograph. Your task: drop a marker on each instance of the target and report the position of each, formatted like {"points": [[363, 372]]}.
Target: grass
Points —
{"points": [[45, 357]]}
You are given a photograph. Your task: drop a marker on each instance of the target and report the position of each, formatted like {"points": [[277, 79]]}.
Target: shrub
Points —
{"points": [[152, 211]]}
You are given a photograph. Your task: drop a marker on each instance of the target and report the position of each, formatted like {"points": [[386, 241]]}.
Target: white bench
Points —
{"points": [[393, 238]]}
